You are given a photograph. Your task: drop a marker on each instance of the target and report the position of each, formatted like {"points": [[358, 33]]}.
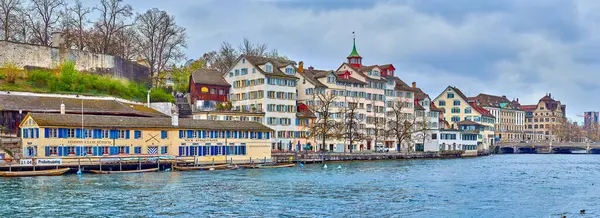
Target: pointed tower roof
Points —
{"points": [[354, 53]]}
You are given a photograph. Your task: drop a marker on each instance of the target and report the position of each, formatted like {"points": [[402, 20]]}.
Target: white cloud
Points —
{"points": [[516, 50]]}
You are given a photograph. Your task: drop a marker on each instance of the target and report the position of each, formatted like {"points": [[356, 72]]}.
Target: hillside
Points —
{"points": [[65, 79]]}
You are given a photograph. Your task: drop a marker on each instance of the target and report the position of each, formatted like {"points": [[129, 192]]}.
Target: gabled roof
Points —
{"points": [[51, 104], [257, 61], [101, 121], [486, 100], [312, 76], [402, 86], [209, 77], [468, 123]]}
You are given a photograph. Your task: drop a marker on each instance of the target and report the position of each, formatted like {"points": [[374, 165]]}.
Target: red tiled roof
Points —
{"points": [[482, 111], [528, 108]]}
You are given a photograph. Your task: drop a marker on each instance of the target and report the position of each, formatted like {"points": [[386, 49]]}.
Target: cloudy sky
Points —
{"points": [[521, 49]]}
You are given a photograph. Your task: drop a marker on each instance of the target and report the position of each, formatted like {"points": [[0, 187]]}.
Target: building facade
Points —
{"points": [[457, 108], [510, 118], [362, 102], [590, 120], [71, 135], [542, 118], [207, 89], [266, 85]]}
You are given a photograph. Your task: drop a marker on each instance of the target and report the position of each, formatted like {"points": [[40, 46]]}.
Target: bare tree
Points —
{"points": [[378, 132], [248, 48], [113, 16], [351, 124], [78, 22], [422, 127], [160, 40], [399, 123], [126, 43], [42, 18], [9, 10], [224, 58], [324, 126]]}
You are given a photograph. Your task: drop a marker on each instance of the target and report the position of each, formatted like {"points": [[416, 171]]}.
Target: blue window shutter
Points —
{"points": [[60, 150], [251, 135], [190, 133], [235, 134], [78, 133], [78, 151], [114, 150], [259, 135], [46, 132], [180, 151], [228, 134], [127, 132], [37, 133], [126, 149], [199, 134], [268, 135], [180, 134], [47, 151], [25, 133], [187, 151]]}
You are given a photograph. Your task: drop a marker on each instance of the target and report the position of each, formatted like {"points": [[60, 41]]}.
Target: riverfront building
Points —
{"points": [[268, 86], [510, 118], [427, 135], [66, 135], [363, 101], [457, 108], [542, 118]]}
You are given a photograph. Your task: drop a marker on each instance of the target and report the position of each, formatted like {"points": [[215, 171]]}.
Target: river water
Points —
{"points": [[496, 186]]}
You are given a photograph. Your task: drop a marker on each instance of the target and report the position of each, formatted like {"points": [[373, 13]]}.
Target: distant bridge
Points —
{"points": [[546, 147]]}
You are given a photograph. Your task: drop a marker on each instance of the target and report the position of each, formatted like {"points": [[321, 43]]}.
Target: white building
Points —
{"points": [[266, 85]]}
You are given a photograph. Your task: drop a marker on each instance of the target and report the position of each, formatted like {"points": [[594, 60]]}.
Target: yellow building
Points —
{"points": [[71, 135], [457, 108]]}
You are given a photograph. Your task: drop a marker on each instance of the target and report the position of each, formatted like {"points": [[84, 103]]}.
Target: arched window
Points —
{"points": [[541, 126], [204, 89], [212, 91], [535, 126]]}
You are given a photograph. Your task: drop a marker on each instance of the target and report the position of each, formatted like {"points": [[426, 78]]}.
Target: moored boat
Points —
{"points": [[54, 172], [125, 171], [213, 167]]}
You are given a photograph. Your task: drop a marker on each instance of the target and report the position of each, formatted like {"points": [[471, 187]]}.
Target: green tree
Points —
{"points": [[181, 74]]}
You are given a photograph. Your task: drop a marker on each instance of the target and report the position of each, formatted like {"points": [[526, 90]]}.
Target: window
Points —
{"points": [[137, 150], [442, 103], [87, 133], [53, 133], [455, 110], [289, 71], [163, 134], [212, 91], [468, 110], [163, 150], [268, 68], [105, 133], [244, 71], [455, 119], [456, 102], [450, 95], [237, 72], [70, 133], [122, 134], [433, 136], [331, 79], [230, 74], [137, 134], [253, 70], [221, 92]]}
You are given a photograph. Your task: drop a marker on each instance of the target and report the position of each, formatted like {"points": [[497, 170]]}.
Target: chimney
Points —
{"points": [[550, 95], [62, 108], [414, 84], [517, 100], [175, 119], [301, 67], [311, 68], [504, 96]]}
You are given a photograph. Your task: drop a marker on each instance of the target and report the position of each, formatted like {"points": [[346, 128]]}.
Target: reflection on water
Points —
{"points": [[497, 186]]}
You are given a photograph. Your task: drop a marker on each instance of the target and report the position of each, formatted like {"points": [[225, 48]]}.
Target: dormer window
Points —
{"points": [[331, 79], [268, 68], [290, 71]]}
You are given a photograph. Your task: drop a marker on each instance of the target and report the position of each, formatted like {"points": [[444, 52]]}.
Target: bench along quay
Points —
{"points": [[71, 140]]}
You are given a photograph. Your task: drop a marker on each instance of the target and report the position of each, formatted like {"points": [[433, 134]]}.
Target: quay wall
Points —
{"points": [[315, 157]]}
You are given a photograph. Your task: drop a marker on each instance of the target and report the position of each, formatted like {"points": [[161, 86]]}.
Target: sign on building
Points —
{"points": [[27, 162], [56, 161]]}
